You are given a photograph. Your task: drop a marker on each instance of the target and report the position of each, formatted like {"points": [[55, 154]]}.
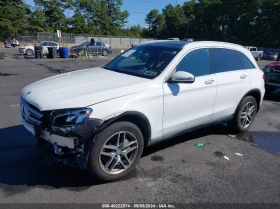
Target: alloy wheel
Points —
{"points": [[118, 152], [247, 115]]}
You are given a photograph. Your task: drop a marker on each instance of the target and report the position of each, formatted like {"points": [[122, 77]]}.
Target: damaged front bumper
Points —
{"points": [[71, 148]]}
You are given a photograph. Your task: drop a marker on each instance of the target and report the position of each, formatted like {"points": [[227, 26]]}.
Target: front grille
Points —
{"points": [[30, 113], [276, 70]]}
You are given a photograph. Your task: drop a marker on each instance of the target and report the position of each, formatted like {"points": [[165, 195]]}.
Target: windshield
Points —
{"points": [[143, 61]]}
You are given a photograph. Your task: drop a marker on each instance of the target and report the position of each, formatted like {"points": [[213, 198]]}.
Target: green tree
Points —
{"points": [[37, 21], [54, 12], [175, 21], [134, 31], [105, 16], [13, 17], [156, 23], [268, 24]]}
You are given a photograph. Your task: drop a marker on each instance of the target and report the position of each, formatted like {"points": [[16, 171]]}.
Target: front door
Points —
{"points": [[190, 105]]}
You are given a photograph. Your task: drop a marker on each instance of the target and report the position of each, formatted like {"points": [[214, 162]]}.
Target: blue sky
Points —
{"points": [[137, 9]]}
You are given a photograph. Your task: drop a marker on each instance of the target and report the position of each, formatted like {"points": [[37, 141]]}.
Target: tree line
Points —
{"points": [[246, 22], [93, 17]]}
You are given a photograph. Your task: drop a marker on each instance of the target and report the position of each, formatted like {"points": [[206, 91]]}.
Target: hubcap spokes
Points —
{"points": [[247, 114], [118, 153]]}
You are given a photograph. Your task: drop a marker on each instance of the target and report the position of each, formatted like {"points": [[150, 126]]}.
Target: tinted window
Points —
{"points": [[222, 60], [196, 62], [98, 44], [253, 49], [237, 62], [247, 64], [46, 44]]}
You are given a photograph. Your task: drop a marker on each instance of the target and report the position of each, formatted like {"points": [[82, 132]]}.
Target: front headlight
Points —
{"points": [[68, 118], [267, 70]]}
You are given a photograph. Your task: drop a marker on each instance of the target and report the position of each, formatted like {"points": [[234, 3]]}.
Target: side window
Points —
{"points": [[46, 44], [222, 60], [237, 62], [247, 64], [98, 44], [196, 62], [253, 49]]}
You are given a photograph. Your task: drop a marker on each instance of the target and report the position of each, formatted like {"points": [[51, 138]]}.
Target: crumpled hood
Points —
{"points": [[81, 89]]}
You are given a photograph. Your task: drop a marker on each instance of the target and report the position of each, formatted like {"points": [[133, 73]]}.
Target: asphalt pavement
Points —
{"points": [[175, 171]]}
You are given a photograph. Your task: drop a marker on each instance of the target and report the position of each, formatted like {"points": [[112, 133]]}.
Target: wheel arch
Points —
{"points": [[137, 118], [256, 93]]}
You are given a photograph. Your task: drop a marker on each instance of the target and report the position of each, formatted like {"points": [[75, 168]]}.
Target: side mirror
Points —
{"points": [[182, 77]]}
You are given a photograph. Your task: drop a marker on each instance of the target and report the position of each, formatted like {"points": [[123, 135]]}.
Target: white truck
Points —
{"points": [[256, 54]]}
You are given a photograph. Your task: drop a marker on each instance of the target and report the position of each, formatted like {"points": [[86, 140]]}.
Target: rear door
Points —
{"points": [[98, 47], [233, 82], [91, 47]]}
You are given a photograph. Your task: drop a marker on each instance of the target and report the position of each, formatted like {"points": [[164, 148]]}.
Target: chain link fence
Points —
{"points": [[70, 39]]}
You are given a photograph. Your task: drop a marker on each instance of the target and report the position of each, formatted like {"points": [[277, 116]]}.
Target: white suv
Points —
{"points": [[102, 118]]}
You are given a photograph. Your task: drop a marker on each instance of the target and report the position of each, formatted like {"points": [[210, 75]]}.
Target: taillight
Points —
{"points": [[264, 77]]}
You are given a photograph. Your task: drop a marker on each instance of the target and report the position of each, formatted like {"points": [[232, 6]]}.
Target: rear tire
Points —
{"points": [[244, 116], [105, 53], [110, 158]]}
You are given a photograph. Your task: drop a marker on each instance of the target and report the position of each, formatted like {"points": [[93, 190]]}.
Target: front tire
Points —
{"points": [[116, 151], [244, 115]]}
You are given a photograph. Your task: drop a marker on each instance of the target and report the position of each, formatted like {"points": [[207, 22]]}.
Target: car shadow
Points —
{"points": [[275, 96], [21, 161], [21, 164], [211, 130]]}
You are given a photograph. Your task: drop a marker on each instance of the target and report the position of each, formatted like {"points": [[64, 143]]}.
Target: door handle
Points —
{"points": [[243, 76], [209, 82]]}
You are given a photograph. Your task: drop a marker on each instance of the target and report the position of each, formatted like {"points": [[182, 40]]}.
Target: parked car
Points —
{"points": [[173, 39], [29, 50], [79, 47], [271, 56], [256, 54], [96, 48], [11, 43], [272, 76], [102, 118]]}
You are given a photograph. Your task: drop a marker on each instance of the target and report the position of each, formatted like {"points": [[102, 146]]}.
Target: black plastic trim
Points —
{"points": [[218, 121]]}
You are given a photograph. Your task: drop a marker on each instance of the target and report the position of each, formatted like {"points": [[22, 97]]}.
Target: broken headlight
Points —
{"points": [[64, 120]]}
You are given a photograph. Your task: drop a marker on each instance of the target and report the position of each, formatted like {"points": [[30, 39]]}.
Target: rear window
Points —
{"points": [[247, 64]]}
